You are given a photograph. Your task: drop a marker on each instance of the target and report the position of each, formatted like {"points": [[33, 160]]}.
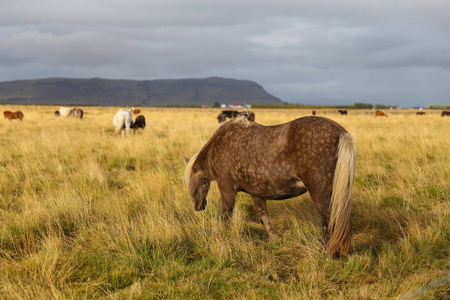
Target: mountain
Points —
{"points": [[105, 92]]}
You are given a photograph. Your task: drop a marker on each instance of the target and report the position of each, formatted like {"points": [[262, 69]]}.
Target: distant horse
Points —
{"points": [[135, 110], [278, 162], [221, 118], [6, 112], [64, 112], [445, 113], [57, 114], [77, 113], [420, 113], [379, 113], [342, 112], [13, 115], [138, 123], [123, 121], [313, 112], [232, 114]]}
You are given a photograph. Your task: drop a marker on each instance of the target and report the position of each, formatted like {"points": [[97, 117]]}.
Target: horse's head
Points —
{"points": [[198, 184]]}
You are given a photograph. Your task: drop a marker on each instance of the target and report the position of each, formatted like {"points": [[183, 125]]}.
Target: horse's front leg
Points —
{"points": [[263, 215], [228, 201]]}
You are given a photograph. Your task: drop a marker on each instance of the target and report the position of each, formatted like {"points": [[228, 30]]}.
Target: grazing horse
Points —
{"points": [[342, 112], [420, 113], [57, 114], [138, 123], [64, 112], [221, 118], [313, 112], [13, 115], [77, 113], [445, 113], [379, 113], [232, 114], [123, 121], [312, 154]]}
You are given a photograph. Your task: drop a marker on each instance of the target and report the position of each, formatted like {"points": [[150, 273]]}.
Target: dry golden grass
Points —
{"points": [[86, 214]]}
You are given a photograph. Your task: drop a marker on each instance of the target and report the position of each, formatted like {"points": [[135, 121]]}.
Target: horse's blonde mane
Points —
{"points": [[188, 170]]}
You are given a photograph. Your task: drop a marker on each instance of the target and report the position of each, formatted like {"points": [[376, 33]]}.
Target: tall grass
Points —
{"points": [[86, 214]]}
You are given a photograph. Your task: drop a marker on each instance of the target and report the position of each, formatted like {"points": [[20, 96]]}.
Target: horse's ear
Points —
{"points": [[186, 160]]}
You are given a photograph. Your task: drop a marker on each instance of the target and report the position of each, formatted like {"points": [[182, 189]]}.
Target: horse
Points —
{"points": [[313, 112], [77, 113], [232, 114], [13, 115], [379, 113], [221, 118], [135, 111], [445, 113], [420, 113], [57, 114], [278, 162], [123, 121], [138, 123], [64, 112], [342, 112]]}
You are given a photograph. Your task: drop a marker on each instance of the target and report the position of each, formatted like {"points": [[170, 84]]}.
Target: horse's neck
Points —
{"points": [[203, 163]]}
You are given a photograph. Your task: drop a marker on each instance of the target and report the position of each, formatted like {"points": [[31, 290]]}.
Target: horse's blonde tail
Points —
{"points": [[339, 226]]}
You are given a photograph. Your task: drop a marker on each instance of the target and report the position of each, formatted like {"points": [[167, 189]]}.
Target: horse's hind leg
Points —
{"points": [[321, 199], [263, 215]]}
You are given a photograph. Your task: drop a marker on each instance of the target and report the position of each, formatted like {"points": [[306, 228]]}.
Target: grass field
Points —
{"points": [[86, 214]]}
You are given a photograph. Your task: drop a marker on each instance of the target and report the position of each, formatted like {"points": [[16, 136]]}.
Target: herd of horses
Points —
{"points": [[310, 154], [123, 120]]}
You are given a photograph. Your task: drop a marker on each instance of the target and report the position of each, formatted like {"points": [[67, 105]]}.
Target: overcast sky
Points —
{"points": [[311, 52]]}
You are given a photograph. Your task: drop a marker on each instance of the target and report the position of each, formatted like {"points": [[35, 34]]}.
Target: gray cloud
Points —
{"points": [[324, 52]]}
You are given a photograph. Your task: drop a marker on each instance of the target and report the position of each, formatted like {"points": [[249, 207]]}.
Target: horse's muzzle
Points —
{"points": [[202, 206]]}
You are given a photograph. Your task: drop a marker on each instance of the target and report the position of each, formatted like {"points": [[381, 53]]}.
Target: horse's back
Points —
{"points": [[64, 112], [122, 118], [310, 127]]}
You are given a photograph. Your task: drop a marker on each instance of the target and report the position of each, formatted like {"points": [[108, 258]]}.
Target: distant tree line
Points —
{"points": [[356, 105], [438, 106]]}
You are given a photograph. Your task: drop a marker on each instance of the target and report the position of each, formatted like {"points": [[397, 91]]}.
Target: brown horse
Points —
{"points": [[420, 113], [379, 113], [312, 154], [76, 113], [445, 113], [13, 115], [139, 123], [232, 114]]}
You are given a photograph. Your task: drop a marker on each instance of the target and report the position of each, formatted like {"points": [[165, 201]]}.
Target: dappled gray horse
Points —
{"points": [[311, 154]]}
